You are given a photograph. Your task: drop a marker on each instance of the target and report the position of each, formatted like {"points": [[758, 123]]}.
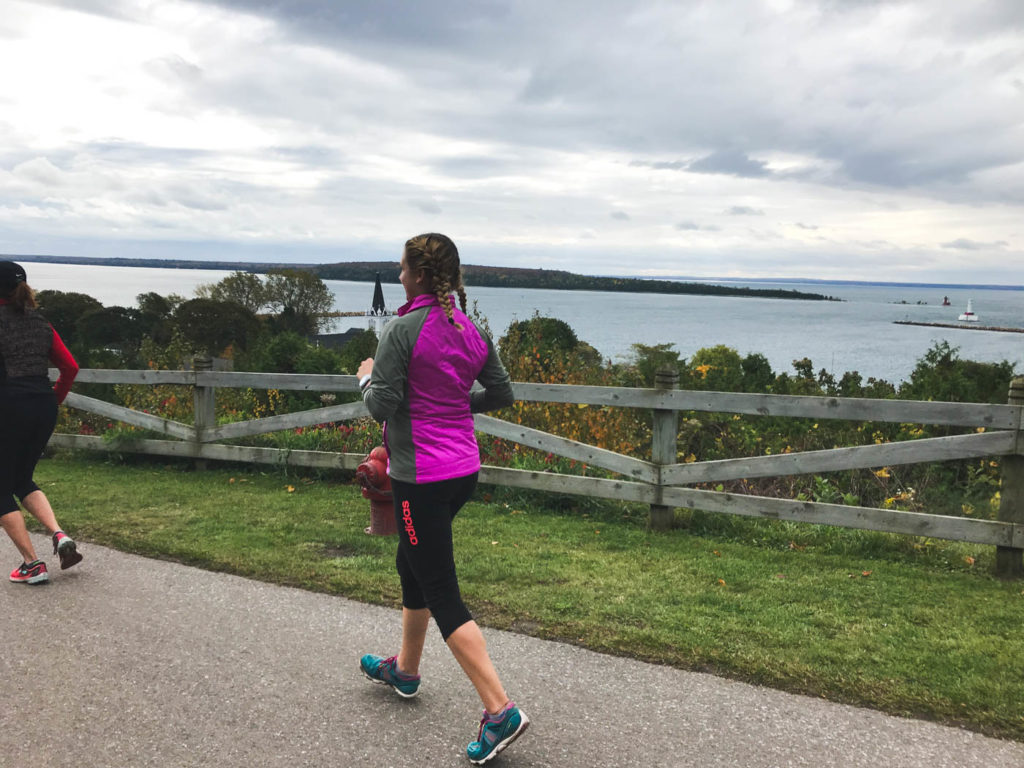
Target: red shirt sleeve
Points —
{"points": [[65, 363]]}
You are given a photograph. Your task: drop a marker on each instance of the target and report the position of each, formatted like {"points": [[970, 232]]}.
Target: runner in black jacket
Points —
{"points": [[28, 414]]}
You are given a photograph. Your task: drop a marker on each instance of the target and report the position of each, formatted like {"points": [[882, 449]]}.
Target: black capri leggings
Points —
{"points": [[426, 562], [26, 424]]}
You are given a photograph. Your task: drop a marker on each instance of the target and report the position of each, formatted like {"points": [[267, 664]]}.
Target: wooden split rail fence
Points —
{"points": [[660, 482]]}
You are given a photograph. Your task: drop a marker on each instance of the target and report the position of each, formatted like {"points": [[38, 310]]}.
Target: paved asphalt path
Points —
{"points": [[130, 662]]}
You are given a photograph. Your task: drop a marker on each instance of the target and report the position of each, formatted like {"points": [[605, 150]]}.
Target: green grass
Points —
{"points": [[903, 625]]}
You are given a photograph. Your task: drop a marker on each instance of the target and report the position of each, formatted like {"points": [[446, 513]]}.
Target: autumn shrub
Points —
{"points": [[359, 436], [531, 356]]}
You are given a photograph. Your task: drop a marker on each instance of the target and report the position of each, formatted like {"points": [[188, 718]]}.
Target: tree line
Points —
{"points": [[261, 323], [493, 277], [556, 279]]}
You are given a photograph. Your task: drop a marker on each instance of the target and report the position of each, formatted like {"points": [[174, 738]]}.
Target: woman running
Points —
{"points": [[419, 386], [28, 414]]}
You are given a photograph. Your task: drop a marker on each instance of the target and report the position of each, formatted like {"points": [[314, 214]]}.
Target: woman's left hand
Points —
{"points": [[365, 368]]}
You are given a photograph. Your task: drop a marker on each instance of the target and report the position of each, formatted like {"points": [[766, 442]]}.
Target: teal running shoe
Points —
{"points": [[381, 670], [496, 733]]}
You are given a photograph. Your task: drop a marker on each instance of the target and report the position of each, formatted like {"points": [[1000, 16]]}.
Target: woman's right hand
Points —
{"points": [[365, 368]]}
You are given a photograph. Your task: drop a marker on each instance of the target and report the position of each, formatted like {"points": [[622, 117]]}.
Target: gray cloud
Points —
{"points": [[205, 195], [132, 153], [114, 9], [730, 162], [427, 206], [43, 205], [41, 171], [726, 161], [963, 244], [312, 155], [692, 226], [199, 203], [661, 165], [174, 68], [902, 169], [432, 24], [619, 215], [992, 18], [806, 226], [744, 210], [476, 167]]}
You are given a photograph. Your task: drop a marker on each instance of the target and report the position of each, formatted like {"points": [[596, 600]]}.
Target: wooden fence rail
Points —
{"points": [[656, 482]]}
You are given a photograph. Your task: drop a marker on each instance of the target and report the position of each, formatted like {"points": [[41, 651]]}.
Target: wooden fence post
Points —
{"points": [[1009, 560], [663, 446], [204, 404]]}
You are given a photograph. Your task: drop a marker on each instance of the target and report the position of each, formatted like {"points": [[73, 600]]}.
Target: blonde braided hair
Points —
{"points": [[438, 255]]}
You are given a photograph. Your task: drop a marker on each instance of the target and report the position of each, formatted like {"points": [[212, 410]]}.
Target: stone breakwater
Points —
{"points": [[962, 326]]}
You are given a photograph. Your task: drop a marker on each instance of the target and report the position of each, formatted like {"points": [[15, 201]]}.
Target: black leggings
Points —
{"points": [[26, 424], [426, 562]]}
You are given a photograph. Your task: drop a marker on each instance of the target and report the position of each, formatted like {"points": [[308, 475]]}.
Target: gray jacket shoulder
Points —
{"points": [[387, 386]]}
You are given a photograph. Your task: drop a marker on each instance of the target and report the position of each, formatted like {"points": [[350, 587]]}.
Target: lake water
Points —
{"points": [[857, 333]]}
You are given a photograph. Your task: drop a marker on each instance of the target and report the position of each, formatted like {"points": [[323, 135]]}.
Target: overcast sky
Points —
{"points": [[834, 139]]}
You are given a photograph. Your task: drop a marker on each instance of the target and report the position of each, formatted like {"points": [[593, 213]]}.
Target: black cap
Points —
{"points": [[10, 275]]}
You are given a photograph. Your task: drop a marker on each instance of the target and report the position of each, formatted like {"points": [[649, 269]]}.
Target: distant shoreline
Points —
{"points": [[120, 261], [476, 275], [820, 281]]}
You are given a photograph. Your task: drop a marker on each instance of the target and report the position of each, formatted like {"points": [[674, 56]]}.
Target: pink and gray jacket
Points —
{"points": [[420, 388]]}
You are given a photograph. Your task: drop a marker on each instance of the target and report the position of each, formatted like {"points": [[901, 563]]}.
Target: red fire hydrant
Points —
{"points": [[372, 474]]}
